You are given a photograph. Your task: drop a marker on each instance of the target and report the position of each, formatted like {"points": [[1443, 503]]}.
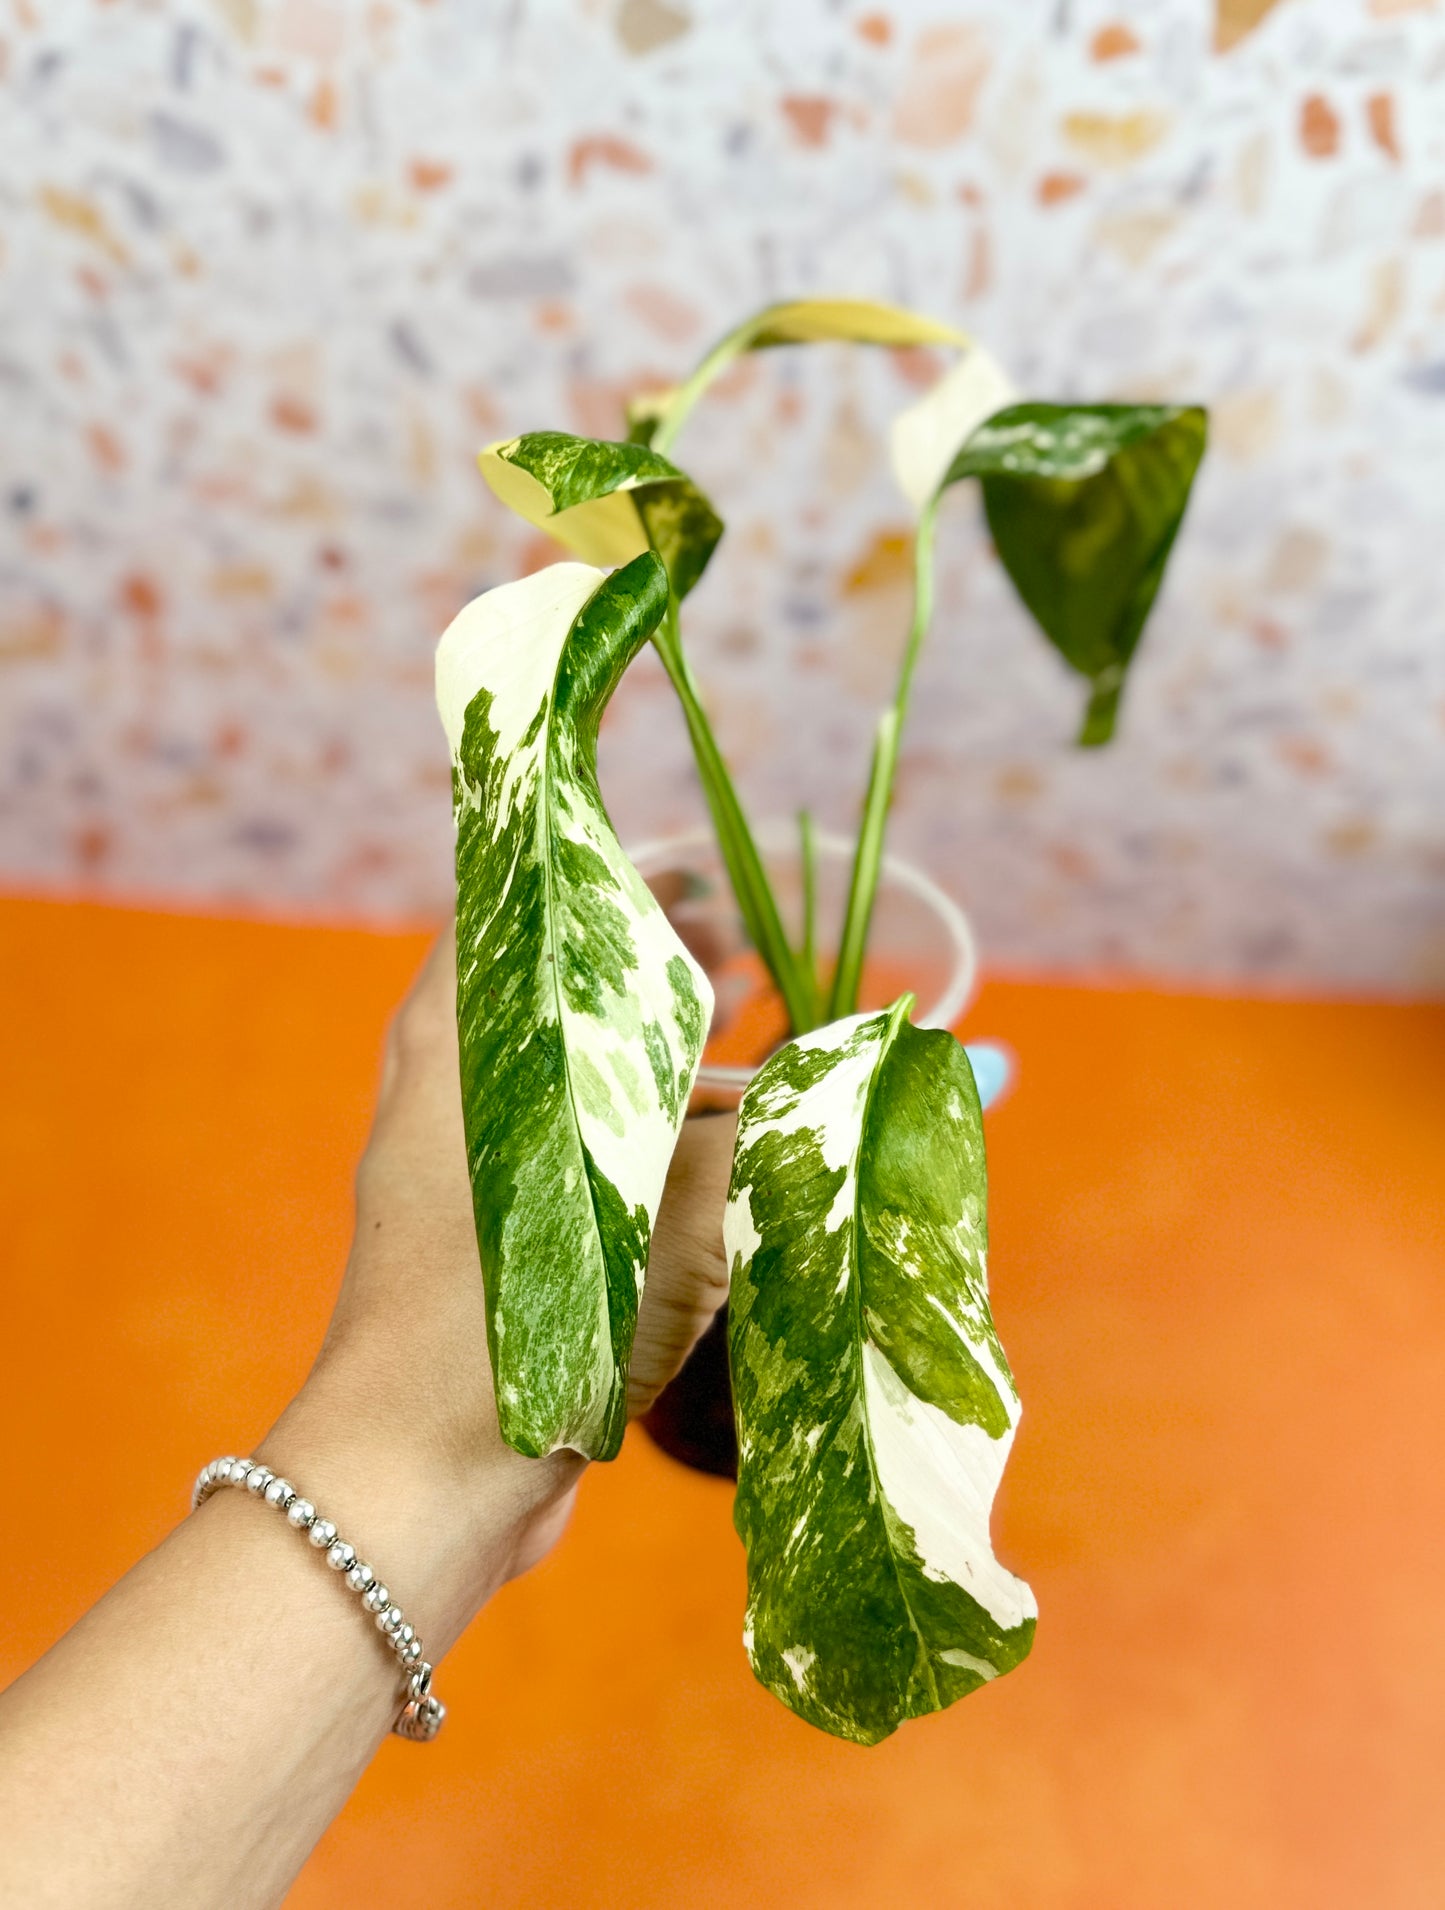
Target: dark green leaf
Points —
{"points": [[1084, 502]]}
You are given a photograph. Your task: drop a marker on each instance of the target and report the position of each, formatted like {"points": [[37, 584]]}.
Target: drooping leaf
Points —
{"points": [[606, 502], [656, 417], [581, 1017], [1084, 502], [856, 321], [874, 1404]]}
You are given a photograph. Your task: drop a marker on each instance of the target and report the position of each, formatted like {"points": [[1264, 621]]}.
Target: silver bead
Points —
{"points": [[301, 1512], [322, 1534], [420, 1720], [377, 1598], [258, 1478], [239, 1469], [361, 1578], [410, 1652], [280, 1492], [222, 1467], [391, 1620], [402, 1637], [341, 1557]]}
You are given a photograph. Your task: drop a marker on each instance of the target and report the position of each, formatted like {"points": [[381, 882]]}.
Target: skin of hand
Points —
{"points": [[189, 1740], [408, 1336]]}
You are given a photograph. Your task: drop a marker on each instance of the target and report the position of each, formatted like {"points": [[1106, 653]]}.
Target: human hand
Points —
{"points": [[224, 1667], [400, 1399]]}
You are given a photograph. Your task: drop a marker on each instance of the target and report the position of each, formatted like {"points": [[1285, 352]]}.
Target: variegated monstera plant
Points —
{"points": [[874, 1405]]}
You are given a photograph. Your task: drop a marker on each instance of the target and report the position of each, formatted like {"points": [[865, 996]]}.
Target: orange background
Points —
{"points": [[1218, 1269]]}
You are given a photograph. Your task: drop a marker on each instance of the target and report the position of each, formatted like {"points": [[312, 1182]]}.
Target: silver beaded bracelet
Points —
{"points": [[421, 1714]]}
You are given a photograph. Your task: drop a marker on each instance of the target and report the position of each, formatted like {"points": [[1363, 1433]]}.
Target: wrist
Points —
{"points": [[445, 1520]]}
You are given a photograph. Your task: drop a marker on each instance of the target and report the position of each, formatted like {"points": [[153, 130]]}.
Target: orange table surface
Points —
{"points": [[1219, 1269]]}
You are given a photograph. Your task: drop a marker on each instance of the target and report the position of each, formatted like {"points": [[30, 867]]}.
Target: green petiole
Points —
{"points": [[808, 952], [868, 856], [740, 856]]}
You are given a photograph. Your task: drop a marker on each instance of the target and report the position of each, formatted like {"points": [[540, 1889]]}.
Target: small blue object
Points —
{"points": [[993, 1069]]}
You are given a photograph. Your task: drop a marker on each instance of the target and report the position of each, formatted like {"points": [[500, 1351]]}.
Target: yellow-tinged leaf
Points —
{"points": [[605, 531], [858, 321]]}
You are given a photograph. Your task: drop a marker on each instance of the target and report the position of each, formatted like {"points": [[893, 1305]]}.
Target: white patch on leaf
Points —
{"points": [[741, 1238], [925, 438], [509, 641], [800, 1661], [831, 1109], [634, 1151], [966, 1661], [939, 1479]]}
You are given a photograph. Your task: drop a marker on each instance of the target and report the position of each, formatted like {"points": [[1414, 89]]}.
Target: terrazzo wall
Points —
{"points": [[270, 272]]}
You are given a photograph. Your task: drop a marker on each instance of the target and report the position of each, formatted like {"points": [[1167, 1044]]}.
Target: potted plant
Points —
{"points": [[874, 1406]]}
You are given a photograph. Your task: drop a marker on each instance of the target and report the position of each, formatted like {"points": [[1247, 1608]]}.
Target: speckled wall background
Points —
{"points": [[269, 272]]}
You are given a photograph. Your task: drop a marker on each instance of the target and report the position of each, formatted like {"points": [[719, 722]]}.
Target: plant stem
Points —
{"points": [[808, 954], [735, 839], [744, 865], [691, 389], [868, 856], [1103, 710]]}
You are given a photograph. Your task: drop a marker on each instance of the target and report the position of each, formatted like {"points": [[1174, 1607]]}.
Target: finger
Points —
{"points": [[422, 1037], [689, 1220], [417, 1138], [686, 1271]]}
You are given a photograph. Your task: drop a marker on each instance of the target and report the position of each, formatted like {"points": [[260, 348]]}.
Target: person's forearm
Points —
{"points": [[190, 1740], [184, 1747]]}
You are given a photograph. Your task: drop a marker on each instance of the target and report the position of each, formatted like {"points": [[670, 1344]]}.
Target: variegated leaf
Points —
{"points": [[606, 502], [874, 1404], [1084, 503], [581, 1016]]}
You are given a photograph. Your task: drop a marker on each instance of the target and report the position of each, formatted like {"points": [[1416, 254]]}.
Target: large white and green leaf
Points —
{"points": [[581, 1016], [874, 1404], [607, 503], [1084, 503]]}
